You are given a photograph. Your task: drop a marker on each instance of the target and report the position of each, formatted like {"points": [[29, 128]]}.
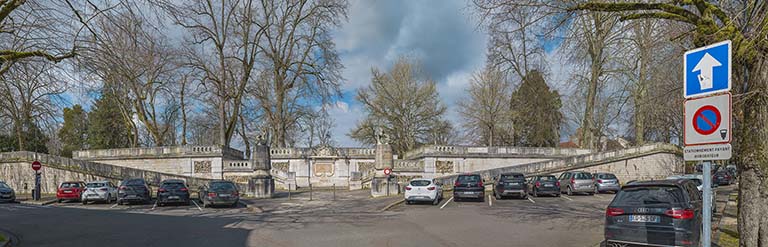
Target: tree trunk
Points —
{"points": [[753, 155]]}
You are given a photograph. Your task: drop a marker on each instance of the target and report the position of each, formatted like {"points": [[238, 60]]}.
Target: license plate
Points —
{"points": [[469, 193], [645, 218], [173, 197], [224, 195], [719, 177], [513, 183], [67, 191], [548, 185], [92, 195]]}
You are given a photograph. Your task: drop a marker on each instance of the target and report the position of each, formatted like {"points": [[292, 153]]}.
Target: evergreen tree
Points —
{"points": [[74, 131], [106, 128], [536, 111], [31, 136]]}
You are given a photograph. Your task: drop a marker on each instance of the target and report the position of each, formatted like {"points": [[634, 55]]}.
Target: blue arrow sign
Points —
{"points": [[707, 70]]}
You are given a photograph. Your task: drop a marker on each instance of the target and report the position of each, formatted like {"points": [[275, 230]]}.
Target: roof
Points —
{"points": [[101, 181], [173, 181], [667, 182]]}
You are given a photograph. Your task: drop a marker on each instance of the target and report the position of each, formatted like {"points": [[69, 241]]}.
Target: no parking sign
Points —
{"points": [[708, 120]]}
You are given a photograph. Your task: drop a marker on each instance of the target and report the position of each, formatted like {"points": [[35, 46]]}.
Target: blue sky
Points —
{"points": [[442, 37]]}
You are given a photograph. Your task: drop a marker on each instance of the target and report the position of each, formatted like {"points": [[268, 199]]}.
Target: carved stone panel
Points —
{"points": [[442, 166], [323, 169], [202, 166], [281, 166]]}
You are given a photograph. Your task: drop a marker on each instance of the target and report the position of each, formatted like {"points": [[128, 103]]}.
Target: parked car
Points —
{"points": [[544, 185], [733, 170], [423, 190], [510, 184], [577, 182], [172, 191], [219, 192], [723, 177], [469, 186], [655, 213], [7, 194], [133, 190], [102, 191], [606, 182], [71, 190], [698, 179]]}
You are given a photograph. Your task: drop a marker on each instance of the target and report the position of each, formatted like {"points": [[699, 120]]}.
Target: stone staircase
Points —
{"points": [[574, 162]]}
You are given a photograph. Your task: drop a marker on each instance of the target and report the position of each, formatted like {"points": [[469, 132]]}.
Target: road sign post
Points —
{"points": [[707, 115], [36, 165]]}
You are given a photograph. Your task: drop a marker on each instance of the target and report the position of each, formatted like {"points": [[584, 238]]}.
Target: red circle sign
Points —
{"points": [[36, 165], [706, 120], [387, 171]]}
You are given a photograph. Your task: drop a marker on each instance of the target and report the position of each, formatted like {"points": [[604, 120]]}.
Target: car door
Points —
{"points": [[564, 181]]}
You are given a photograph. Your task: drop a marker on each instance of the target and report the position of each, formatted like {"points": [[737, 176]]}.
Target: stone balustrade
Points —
{"points": [[159, 152], [300, 153], [479, 151], [237, 165]]}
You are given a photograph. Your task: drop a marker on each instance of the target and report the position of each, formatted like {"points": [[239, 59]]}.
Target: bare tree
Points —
{"points": [[319, 128], [405, 104], [299, 59], [486, 111]]}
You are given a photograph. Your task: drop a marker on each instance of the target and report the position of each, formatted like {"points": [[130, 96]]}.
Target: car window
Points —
{"points": [[135, 182], [547, 178], [95, 185], [4, 186], [513, 176], [222, 186], [172, 186], [70, 185], [648, 195], [583, 175], [606, 176], [469, 179], [420, 183]]}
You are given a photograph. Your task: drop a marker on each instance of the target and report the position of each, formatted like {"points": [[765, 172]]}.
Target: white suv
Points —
{"points": [[423, 190]]}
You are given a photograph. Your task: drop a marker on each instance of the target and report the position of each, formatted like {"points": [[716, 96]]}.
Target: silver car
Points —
{"points": [[101, 191], [606, 182], [577, 182]]}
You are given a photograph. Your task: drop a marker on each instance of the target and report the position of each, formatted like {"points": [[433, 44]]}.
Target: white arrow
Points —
{"points": [[705, 65]]}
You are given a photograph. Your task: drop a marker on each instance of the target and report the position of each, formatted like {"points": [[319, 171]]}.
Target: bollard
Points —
{"points": [[334, 192], [289, 191], [310, 192]]}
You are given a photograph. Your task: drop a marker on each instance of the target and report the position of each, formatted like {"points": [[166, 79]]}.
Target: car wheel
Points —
{"points": [[84, 201], [570, 191], [60, 200], [591, 193], [436, 201]]}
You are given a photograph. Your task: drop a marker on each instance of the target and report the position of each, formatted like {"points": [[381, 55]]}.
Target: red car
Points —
{"points": [[70, 191]]}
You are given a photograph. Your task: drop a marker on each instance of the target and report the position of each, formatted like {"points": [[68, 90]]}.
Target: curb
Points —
{"points": [[39, 203], [392, 205], [718, 232], [9, 238]]}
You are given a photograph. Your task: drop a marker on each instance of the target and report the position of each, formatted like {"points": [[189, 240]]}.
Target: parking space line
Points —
{"points": [[490, 201], [198, 206], [599, 196], [446, 202], [531, 200], [563, 196]]}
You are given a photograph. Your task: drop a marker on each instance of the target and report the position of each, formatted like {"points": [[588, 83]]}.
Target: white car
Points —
{"points": [[102, 191], [423, 190]]}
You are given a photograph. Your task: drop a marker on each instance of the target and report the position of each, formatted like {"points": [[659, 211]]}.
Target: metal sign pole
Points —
{"points": [[707, 223], [36, 195]]}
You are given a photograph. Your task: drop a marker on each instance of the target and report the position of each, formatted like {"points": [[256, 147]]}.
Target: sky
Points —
{"points": [[443, 37]]}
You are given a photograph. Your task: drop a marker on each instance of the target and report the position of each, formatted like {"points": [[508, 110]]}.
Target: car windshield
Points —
{"points": [[95, 185], [696, 181], [420, 182], [582, 176], [135, 182], [172, 186], [222, 186], [513, 177], [648, 195], [547, 178], [606, 176], [70, 185], [469, 179], [4, 186]]}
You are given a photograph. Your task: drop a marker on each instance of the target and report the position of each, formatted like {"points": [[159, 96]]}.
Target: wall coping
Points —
{"points": [[159, 152], [440, 151]]}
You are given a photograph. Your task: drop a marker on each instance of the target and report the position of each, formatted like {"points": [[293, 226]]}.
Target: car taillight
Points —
{"points": [[573, 181], [480, 184], [211, 194], [407, 187], [236, 193], [599, 181], [161, 190], [680, 213], [430, 188], [611, 212], [184, 189], [557, 183], [538, 184], [457, 184], [103, 189]]}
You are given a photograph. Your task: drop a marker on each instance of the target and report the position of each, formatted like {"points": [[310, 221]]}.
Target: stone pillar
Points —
{"points": [[379, 183], [261, 184]]}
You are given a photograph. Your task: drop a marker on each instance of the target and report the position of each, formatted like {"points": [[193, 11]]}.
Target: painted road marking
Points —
{"points": [[446, 202], [490, 201], [113, 205], [563, 196], [198, 206], [531, 200]]}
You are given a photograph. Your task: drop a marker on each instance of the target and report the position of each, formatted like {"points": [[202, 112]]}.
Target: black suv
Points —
{"points": [[172, 191], [656, 213], [133, 190], [469, 186], [219, 192], [510, 184], [544, 185]]}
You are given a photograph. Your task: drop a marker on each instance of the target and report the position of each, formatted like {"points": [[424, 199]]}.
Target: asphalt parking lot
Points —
{"points": [[353, 219]]}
